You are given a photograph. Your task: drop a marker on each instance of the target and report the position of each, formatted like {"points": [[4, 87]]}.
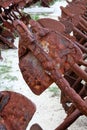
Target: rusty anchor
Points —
{"points": [[15, 111], [35, 48], [48, 54]]}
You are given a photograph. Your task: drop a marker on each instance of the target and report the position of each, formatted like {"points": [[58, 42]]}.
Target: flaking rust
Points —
{"points": [[49, 51], [15, 111], [77, 25], [56, 59], [9, 11], [44, 42]]}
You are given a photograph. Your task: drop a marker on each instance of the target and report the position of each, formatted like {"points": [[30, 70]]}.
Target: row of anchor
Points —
{"points": [[49, 51], [10, 10]]}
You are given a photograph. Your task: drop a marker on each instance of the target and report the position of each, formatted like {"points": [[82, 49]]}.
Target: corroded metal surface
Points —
{"points": [[7, 31], [7, 3], [73, 10], [15, 111], [47, 43], [34, 75], [9, 11], [47, 53], [78, 27], [52, 24], [22, 3], [51, 62]]}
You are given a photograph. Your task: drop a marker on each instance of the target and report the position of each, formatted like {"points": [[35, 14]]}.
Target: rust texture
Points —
{"points": [[56, 58], [77, 24], [8, 11], [49, 51], [64, 56], [15, 111]]}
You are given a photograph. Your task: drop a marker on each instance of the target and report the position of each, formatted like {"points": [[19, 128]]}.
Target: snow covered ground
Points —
{"points": [[49, 112]]}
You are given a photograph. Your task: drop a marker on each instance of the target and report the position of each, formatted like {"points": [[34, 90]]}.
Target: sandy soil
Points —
{"points": [[49, 112]]}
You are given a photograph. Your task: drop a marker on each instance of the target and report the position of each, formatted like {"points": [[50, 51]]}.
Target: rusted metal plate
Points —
{"points": [[31, 68], [35, 76], [57, 50], [15, 111], [52, 24], [33, 73], [68, 26]]}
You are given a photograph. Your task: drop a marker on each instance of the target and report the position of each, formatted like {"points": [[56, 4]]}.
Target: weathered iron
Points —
{"points": [[47, 53], [73, 10], [78, 27], [40, 46], [6, 38], [9, 11], [15, 111], [52, 24]]}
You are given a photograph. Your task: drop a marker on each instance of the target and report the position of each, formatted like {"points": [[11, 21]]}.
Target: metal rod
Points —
{"points": [[70, 119], [79, 71]]}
